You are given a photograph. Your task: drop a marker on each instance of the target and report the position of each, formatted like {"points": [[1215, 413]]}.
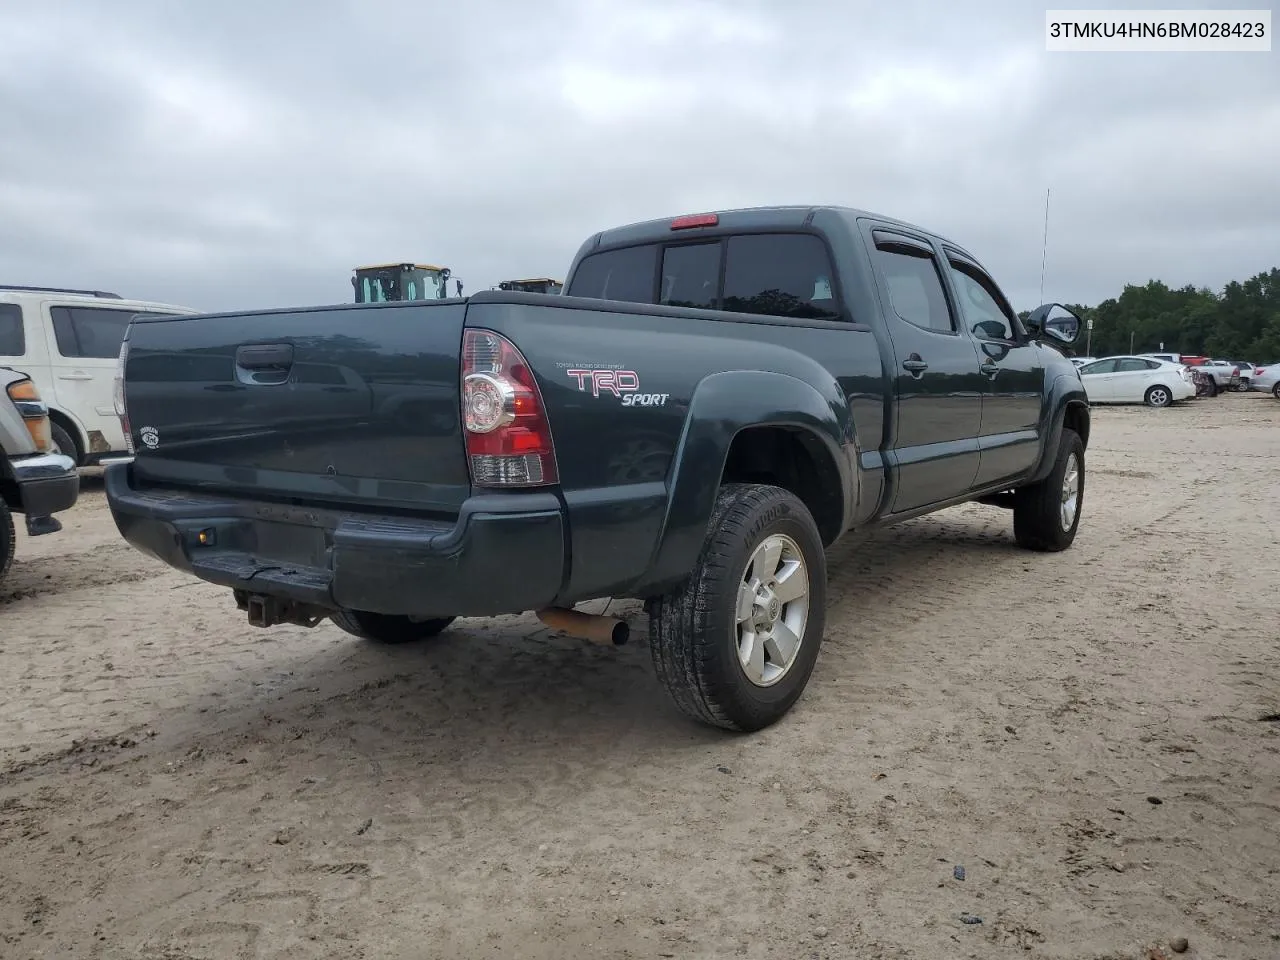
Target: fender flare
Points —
{"points": [[1064, 393], [722, 406]]}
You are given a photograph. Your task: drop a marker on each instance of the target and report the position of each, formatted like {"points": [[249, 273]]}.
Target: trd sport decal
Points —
{"points": [[623, 384]]}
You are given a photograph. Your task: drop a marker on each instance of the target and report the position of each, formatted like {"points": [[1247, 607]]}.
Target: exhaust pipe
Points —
{"points": [[606, 631]]}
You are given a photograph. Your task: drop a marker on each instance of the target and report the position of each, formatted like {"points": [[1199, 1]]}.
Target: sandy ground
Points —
{"points": [[1084, 733]]}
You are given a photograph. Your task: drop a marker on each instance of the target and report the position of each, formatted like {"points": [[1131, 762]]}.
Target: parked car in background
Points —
{"points": [[34, 480], [68, 343], [1225, 376], [1267, 377], [1246, 371], [1157, 383], [1081, 361]]}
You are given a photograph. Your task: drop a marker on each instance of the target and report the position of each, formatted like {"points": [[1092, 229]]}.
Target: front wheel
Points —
{"points": [[1275, 391], [62, 442], [1158, 396], [387, 627], [1047, 514], [736, 644]]}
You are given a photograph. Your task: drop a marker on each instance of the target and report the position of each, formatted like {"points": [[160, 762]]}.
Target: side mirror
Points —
{"points": [[1056, 322]]}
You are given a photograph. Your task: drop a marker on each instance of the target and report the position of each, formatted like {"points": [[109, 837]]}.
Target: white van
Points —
{"points": [[68, 342]]}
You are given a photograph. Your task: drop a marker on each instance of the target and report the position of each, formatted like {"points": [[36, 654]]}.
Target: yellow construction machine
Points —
{"points": [[539, 285], [403, 281]]}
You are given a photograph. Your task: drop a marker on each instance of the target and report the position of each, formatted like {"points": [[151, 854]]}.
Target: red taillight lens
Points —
{"points": [[695, 220], [503, 416]]}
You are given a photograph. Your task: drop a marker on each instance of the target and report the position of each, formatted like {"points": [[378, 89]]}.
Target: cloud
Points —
{"points": [[251, 154]]}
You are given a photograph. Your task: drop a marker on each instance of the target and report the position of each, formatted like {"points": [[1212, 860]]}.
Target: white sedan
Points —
{"points": [[1267, 377], [1157, 383]]}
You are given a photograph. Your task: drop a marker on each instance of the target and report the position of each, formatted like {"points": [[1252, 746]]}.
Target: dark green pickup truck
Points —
{"points": [[712, 401]]}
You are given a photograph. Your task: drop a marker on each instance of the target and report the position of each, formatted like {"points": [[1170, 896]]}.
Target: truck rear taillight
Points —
{"points": [[117, 392], [35, 415], [503, 417]]}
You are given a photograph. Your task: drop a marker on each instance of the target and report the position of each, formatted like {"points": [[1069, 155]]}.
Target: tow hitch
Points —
{"points": [[267, 611]]}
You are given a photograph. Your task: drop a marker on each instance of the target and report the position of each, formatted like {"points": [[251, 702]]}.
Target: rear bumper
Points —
{"points": [[47, 483], [503, 554]]}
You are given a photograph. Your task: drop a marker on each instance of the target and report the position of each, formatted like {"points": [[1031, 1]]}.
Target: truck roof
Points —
{"points": [[746, 218]]}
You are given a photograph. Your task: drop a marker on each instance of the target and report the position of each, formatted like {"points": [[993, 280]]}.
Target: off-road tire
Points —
{"points": [[8, 539], [388, 628], [1159, 390], [693, 630], [1037, 523], [64, 443]]}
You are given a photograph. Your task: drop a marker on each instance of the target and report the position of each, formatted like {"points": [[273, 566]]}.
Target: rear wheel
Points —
{"points": [[1047, 514], [387, 627], [1158, 396], [736, 643], [8, 539]]}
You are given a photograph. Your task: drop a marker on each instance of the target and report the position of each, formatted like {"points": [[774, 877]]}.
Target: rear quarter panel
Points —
{"points": [[705, 376]]}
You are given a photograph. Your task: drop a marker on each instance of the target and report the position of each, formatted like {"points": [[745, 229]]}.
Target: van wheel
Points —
{"points": [[1047, 513], [8, 539], [736, 643], [62, 442], [388, 627]]}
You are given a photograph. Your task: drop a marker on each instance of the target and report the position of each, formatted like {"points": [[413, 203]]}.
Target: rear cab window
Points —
{"points": [[768, 274]]}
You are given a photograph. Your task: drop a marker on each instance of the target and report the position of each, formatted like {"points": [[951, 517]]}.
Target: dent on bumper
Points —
{"points": [[48, 483], [502, 555]]}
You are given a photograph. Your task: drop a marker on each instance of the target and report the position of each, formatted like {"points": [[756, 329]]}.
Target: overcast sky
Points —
{"points": [[247, 154]]}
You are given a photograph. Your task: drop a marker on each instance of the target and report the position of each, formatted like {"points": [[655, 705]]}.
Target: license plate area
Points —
{"points": [[294, 543]]}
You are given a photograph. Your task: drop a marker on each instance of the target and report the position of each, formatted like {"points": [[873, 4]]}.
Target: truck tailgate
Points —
{"points": [[354, 403]]}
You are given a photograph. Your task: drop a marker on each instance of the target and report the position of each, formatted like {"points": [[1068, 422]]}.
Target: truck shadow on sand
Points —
{"points": [[508, 685]]}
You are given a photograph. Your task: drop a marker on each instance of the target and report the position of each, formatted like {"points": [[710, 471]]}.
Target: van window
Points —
{"points": [[92, 331], [13, 342]]}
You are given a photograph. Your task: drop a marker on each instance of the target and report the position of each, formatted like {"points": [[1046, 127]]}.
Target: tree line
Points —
{"points": [[1242, 322]]}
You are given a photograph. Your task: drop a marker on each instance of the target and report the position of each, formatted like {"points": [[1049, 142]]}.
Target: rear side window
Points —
{"points": [[780, 275], [915, 287], [92, 331], [691, 275], [13, 342], [624, 274]]}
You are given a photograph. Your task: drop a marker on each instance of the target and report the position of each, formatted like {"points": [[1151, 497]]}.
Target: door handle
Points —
{"points": [[265, 356], [74, 376], [990, 369], [913, 364]]}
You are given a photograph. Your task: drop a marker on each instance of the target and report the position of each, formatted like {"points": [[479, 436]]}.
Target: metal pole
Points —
{"points": [[1131, 341], [1044, 250]]}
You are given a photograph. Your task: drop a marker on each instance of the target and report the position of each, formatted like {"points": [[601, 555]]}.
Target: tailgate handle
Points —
{"points": [[265, 356]]}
